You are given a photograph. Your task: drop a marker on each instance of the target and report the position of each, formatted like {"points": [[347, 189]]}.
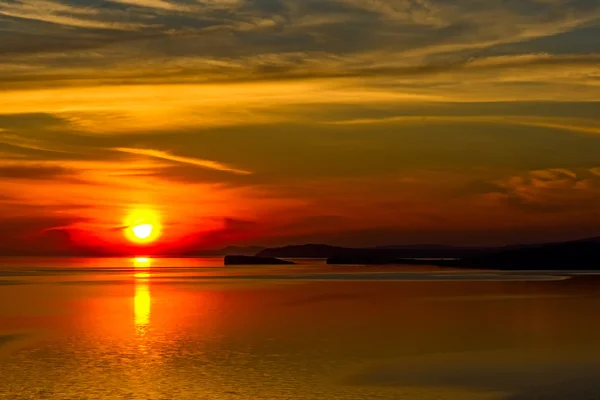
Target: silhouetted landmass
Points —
{"points": [[303, 251], [434, 247], [382, 252], [581, 254], [362, 259], [374, 259], [575, 255], [254, 260], [226, 251]]}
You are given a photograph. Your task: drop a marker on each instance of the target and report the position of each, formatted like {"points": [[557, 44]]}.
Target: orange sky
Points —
{"points": [[349, 122]]}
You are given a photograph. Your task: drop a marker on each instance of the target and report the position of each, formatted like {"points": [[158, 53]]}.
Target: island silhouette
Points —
{"points": [[583, 254]]}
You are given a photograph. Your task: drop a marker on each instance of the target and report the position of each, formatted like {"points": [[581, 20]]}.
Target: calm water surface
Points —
{"points": [[171, 329]]}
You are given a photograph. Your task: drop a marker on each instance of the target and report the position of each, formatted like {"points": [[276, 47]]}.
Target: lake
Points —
{"points": [[168, 329]]}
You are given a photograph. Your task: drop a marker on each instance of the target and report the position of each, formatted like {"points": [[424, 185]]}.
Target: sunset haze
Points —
{"points": [[273, 122]]}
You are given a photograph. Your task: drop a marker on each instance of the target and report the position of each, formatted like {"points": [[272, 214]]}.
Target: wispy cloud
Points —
{"points": [[591, 127], [62, 14], [180, 159], [157, 4], [28, 143], [550, 190], [529, 67], [586, 126], [142, 108], [33, 172]]}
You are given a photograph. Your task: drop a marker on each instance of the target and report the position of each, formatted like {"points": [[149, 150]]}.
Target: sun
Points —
{"points": [[143, 231], [142, 226]]}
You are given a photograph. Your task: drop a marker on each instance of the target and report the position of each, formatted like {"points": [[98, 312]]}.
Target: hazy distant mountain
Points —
{"points": [[422, 247], [254, 260], [241, 250], [410, 251], [227, 251], [303, 251], [522, 246]]}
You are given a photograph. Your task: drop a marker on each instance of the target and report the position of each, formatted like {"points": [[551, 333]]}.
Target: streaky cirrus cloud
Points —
{"points": [[576, 125], [34, 172], [185, 160], [157, 4], [64, 14], [14, 140]]}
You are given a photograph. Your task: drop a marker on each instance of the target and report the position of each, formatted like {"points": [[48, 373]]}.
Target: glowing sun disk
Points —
{"points": [[142, 226], [142, 231]]}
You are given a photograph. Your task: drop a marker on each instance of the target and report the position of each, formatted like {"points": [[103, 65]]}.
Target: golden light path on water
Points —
{"points": [[142, 299]]}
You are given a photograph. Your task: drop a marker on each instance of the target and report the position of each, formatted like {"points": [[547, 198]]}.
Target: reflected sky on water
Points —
{"points": [[165, 329]]}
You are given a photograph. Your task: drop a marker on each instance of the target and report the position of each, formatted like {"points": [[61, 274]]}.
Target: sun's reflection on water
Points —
{"points": [[142, 299], [142, 266], [142, 305]]}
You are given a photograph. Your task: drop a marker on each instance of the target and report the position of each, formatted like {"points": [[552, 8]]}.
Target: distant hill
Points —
{"points": [[327, 251], [227, 251], [422, 247], [254, 260], [302, 251]]}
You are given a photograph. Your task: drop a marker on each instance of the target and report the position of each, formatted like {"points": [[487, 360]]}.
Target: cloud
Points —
{"points": [[185, 160], [550, 190], [19, 141], [420, 12], [586, 126], [61, 14], [164, 107], [294, 39], [191, 174], [33, 172], [261, 66], [27, 224], [157, 4]]}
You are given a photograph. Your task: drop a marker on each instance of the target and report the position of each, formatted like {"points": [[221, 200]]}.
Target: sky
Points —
{"points": [[269, 122]]}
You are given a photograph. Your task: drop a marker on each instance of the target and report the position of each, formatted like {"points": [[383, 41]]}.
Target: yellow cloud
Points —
{"points": [[185, 160], [576, 125], [157, 4], [111, 109]]}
